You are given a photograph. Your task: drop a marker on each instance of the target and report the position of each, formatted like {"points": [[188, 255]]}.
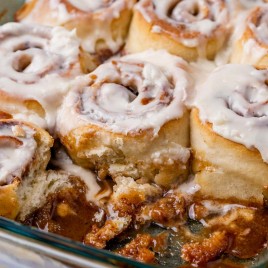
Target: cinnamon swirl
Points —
{"points": [[229, 133], [130, 118], [102, 25], [37, 63], [24, 152], [252, 46], [189, 29]]}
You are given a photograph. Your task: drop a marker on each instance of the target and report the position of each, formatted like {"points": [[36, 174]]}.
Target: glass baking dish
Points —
{"points": [[76, 254], [71, 253]]}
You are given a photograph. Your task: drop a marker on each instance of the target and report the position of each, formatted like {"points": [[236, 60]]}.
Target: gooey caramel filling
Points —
{"points": [[67, 213]]}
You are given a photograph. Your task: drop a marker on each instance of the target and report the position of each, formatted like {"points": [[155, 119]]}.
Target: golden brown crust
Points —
{"points": [[139, 249], [25, 10], [206, 250], [243, 52], [129, 155], [86, 24], [99, 237], [11, 105], [127, 199], [218, 166], [142, 37], [169, 211], [9, 199]]}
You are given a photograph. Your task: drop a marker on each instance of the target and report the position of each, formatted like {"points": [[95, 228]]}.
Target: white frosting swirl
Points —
{"points": [[234, 99], [36, 64], [94, 191], [130, 94], [17, 149], [91, 5], [195, 19]]}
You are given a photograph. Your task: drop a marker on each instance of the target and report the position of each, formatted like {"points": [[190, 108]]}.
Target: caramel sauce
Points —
{"points": [[245, 229], [238, 232], [250, 237], [265, 196], [66, 213], [4, 115], [244, 235]]}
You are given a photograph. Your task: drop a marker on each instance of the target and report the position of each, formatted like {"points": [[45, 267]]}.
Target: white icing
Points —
{"points": [[199, 70], [234, 100], [86, 5], [98, 216], [190, 187], [213, 208], [197, 19], [252, 52], [170, 155], [17, 149], [88, 177], [155, 75], [96, 23], [221, 209], [53, 59], [156, 29]]}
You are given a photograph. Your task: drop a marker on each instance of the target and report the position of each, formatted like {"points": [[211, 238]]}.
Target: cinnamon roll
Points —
{"points": [[24, 153], [189, 29], [229, 133], [102, 25], [37, 63], [130, 119], [252, 45]]}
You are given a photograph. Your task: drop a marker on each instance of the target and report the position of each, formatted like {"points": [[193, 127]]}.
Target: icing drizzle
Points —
{"points": [[37, 63], [234, 100], [96, 18], [191, 21], [133, 93], [17, 149]]}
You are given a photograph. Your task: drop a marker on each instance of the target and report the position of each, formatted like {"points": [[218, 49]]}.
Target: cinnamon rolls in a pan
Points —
{"points": [[229, 133], [129, 119], [189, 29], [102, 25], [145, 138]]}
